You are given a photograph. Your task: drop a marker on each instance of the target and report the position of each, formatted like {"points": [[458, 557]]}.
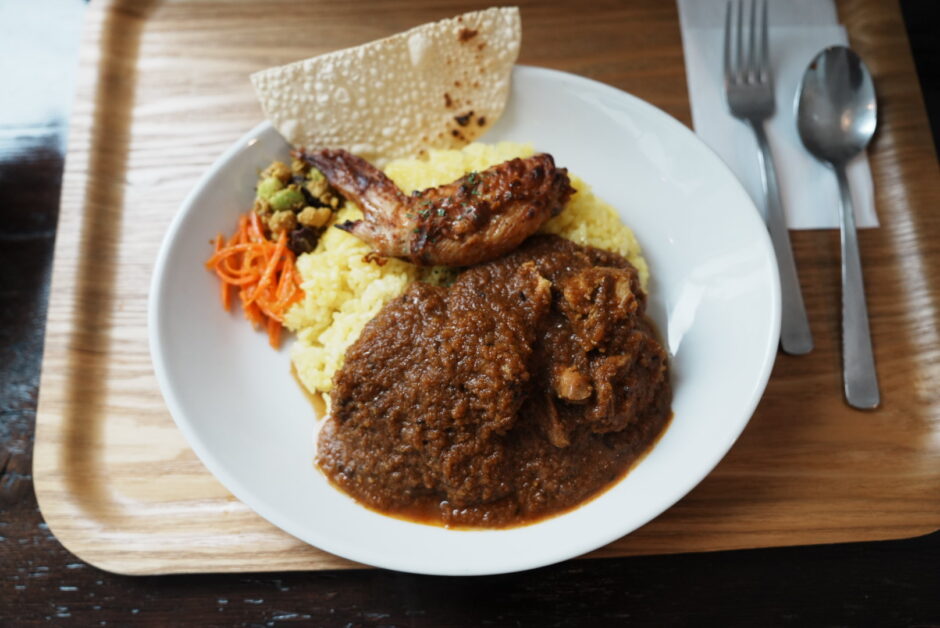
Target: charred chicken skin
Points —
{"points": [[477, 218]]}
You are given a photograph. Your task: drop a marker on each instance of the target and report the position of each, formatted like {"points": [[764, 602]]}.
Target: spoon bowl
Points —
{"points": [[837, 111]]}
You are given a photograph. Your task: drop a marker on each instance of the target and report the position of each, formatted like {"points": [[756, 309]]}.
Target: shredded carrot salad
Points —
{"points": [[261, 271]]}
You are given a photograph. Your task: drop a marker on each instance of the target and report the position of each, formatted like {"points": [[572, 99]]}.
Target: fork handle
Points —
{"points": [[858, 363], [795, 335]]}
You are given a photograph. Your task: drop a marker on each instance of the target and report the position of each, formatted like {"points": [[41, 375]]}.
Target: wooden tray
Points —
{"points": [[163, 90]]}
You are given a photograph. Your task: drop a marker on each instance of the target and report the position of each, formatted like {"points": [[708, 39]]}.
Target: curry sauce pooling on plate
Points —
{"points": [[520, 391]]}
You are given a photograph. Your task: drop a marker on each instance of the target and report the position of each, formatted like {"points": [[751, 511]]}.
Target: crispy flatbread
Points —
{"points": [[439, 85]]}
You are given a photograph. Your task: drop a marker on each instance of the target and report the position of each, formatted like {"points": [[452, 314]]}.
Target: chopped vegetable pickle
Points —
{"points": [[297, 199], [314, 216], [287, 199], [303, 240], [267, 187], [262, 207], [278, 170], [298, 166], [282, 221], [318, 188]]}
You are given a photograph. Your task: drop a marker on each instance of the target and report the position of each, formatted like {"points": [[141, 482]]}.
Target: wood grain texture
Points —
{"points": [[163, 90]]}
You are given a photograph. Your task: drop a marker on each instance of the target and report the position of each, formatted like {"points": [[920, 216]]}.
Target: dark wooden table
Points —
{"points": [[887, 583]]}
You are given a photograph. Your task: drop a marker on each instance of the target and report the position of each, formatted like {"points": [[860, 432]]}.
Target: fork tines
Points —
{"points": [[756, 67]]}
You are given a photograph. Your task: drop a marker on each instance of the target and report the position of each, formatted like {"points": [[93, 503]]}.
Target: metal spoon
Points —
{"points": [[836, 117]]}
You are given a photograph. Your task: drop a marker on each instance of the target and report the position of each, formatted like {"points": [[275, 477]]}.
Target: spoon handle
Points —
{"points": [[858, 362], [795, 335]]}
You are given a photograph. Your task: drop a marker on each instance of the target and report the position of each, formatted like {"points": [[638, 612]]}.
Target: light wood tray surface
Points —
{"points": [[162, 90]]}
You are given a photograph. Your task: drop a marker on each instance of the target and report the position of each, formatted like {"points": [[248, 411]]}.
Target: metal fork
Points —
{"points": [[750, 92]]}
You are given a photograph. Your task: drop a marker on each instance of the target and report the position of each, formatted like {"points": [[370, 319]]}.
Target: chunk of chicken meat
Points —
{"points": [[596, 298], [571, 385], [477, 218]]}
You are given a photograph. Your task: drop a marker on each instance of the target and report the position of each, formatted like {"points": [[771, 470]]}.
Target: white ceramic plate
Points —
{"points": [[714, 294]]}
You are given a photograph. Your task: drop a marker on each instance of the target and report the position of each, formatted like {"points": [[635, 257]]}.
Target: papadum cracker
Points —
{"points": [[439, 85]]}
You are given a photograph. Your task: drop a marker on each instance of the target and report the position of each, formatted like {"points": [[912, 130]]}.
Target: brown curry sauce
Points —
{"points": [[530, 386]]}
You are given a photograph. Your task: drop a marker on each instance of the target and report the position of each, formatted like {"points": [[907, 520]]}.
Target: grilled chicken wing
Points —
{"points": [[476, 218]]}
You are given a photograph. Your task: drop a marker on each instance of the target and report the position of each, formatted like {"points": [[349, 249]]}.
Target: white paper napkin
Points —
{"points": [[798, 30]]}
